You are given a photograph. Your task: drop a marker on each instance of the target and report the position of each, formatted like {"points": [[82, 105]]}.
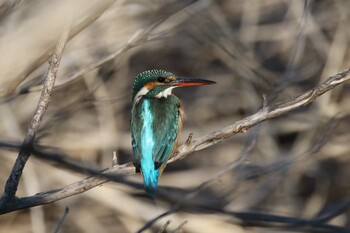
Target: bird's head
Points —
{"points": [[160, 83]]}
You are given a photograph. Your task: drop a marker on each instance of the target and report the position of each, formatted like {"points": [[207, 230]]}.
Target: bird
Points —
{"points": [[156, 121]]}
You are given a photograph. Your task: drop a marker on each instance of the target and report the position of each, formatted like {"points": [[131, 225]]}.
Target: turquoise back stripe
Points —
{"points": [[150, 175]]}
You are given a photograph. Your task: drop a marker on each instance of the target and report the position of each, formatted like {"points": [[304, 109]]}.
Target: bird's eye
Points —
{"points": [[161, 79]]}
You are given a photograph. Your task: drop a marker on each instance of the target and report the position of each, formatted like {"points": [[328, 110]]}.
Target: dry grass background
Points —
{"points": [[294, 165]]}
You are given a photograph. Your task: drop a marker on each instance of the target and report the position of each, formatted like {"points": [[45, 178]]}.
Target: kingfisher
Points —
{"points": [[156, 121]]}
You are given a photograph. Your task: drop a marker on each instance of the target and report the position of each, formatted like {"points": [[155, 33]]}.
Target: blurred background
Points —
{"points": [[294, 165]]}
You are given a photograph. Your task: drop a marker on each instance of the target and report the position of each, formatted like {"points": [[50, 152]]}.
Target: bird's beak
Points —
{"points": [[185, 82]]}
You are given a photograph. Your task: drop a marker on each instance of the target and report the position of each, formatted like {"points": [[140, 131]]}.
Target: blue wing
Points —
{"points": [[154, 129]]}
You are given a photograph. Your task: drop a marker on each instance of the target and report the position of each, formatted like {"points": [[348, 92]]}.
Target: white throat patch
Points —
{"points": [[165, 93], [143, 91]]}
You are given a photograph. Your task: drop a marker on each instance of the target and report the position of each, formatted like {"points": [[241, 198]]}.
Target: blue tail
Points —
{"points": [[150, 176]]}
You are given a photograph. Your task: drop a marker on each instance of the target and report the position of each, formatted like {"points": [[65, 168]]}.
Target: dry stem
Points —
{"points": [[267, 112], [16, 173]]}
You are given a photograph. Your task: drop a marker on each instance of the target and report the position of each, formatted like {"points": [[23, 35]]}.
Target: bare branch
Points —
{"points": [[179, 229], [138, 38], [16, 173], [266, 113], [164, 227], [67, 191], [115, 159], [97, 9], [59, 225]]}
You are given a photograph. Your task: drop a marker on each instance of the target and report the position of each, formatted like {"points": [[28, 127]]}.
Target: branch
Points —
{"points": [[69, 190], [66, 211], [254, 219], [16, 173], [94, 9], [191, 200], [266, 113], [138, 38]]}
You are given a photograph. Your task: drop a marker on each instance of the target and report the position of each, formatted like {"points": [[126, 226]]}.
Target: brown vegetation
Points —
{"points": [[282, 159]]}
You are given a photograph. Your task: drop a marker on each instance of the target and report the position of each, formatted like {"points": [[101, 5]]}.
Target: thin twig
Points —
{"points": [[16, 173], [179, 229], [99, 9], [115, 159], [189, 139], [163, 229], [138, 38], [150, 223], [60, 223]]}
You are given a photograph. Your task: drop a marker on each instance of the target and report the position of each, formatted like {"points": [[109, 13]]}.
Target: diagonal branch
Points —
{"points": [[94, 10], [16, 173], [267, 112], [137, 39], [69, 190]]}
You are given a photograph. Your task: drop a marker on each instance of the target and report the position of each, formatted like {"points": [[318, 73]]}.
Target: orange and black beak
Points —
{"points": [[186, 82]]}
